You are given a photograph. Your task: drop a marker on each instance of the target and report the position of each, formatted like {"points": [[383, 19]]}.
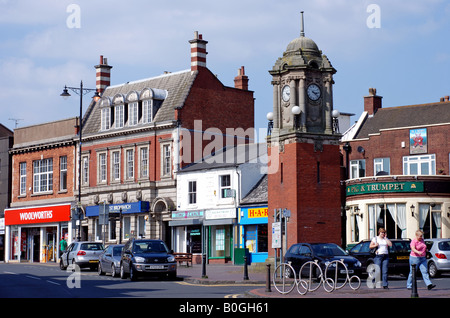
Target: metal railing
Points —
{"points": [[314, 279]]}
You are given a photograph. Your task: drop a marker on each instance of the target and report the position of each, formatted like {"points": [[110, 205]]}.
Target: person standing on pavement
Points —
{"points": [[418, 257], [382, 243], [62, 245]]}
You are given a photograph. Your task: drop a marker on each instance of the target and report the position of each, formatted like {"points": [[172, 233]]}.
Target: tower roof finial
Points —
{"points": [[302, 31]]}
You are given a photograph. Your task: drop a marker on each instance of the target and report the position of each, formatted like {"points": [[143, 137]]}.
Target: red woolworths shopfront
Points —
{"points": [[33, 233]]}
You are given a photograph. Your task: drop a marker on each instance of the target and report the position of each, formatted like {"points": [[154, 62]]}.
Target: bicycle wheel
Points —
{"points": [[313, 277], [288, 278]]}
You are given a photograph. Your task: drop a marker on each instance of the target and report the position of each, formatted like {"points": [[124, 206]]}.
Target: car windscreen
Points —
{"points": [[150, 247], [327, 250], [91, 246]]}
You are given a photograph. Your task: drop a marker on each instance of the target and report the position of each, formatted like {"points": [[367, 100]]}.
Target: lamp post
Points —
{"points": [[81, 92]]}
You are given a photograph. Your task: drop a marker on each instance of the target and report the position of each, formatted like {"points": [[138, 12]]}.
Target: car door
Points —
{"points": [[72, 252], [305, 255], [107, 258], [126, 257]]}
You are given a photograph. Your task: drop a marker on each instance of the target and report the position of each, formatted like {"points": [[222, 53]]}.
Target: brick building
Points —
{"points": [[398, 170], [43, 191], [140, 133], [6, 142]]}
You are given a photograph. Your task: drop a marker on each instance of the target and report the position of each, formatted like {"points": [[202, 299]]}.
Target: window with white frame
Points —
{"points": [[106, 118], [430, 220], [42, 175], [133, 116], [166, 158], [147, 111], [102, 168], [419, 165], [381, 166], [23, 178], [119, 116], [63, 173], [357, 169], [143, 162], [225, 185], [130, 163], [85, 169], [116, 165], [192, 192]]}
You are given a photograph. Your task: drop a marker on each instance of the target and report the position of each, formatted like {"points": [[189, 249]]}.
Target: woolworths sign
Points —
{"points": [[383, 187]]}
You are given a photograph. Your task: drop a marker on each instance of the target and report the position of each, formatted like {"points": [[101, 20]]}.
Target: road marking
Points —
{"points": [[219, 285], [49, 281], [33, 277], [11, 273], [233, 296]]}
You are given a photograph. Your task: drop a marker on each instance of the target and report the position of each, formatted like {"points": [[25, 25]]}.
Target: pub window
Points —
{"points": [[430, 220], [63, 173], [381, 166], [357, 169]]}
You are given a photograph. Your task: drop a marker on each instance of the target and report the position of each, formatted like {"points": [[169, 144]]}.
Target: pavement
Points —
{"points": [[226, 274]]}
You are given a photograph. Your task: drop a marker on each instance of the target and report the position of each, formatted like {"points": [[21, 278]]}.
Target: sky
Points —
{"points": [[401, 48]]}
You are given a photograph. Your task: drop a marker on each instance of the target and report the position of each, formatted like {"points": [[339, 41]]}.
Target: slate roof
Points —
{"points": [[405, 116], [230, 157], [176, 84], [258, 195]]}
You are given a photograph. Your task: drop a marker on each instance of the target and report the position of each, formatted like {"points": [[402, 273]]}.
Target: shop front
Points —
{"points": [[253, 228], [401, 206], [123, 221], [33, 233], [187, 233], [220, 225]]}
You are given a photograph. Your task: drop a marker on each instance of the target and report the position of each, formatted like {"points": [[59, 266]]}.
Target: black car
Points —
{"points": [[398, 255], [324, 253], [147, 257]]}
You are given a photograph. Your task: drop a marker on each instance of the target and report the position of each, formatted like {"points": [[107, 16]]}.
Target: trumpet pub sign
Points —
{"points": [[418, 141]]}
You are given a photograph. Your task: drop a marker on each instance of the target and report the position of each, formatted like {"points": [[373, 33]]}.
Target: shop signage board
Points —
{"points": [[276, 235], [45, 214], [383, 187]]}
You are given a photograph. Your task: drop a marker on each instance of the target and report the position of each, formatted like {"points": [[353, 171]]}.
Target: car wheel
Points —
{"points": [[113, 270], [432, 270], [133, 273], [100, 271], [61, 265], [123, 275]]}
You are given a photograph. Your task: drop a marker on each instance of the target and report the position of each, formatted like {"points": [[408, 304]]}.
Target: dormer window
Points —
{"points": [[105, 106], [118, 103], [133, 108]]}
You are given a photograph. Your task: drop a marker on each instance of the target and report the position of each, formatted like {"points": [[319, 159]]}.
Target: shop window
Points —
{"points": [[126, 227], [141, 226], [112, 230], [430, 220], [357, 169], [391, 216]]}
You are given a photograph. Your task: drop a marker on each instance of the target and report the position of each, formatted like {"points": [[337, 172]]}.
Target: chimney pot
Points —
{"points": [[241, 81], [198, 52], [446, 98]]}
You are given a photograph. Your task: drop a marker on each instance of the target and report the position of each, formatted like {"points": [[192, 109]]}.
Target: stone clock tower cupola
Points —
{"points": [[303, 77], [303, 147]]}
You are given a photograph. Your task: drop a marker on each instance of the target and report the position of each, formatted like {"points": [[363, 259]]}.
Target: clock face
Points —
{"points": [[313, 92], [286, 93]]}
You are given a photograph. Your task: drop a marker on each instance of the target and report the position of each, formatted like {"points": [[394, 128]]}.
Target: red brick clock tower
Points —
{"points": [[303, 143]]}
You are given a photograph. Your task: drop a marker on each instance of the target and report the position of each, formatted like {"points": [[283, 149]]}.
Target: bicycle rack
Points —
{"points": [[288, 283]]}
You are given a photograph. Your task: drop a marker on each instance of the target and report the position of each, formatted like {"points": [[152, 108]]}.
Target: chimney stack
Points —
{"points": [[372, 102], [198, 52], [241, 81], [103, 75]]}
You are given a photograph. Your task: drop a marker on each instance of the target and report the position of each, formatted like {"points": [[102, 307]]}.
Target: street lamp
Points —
{"points": [[81, 92]]}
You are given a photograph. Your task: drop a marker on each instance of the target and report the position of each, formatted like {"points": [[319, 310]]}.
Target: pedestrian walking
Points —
{"points": [[418, 257], [382, 243], [62, 245]]}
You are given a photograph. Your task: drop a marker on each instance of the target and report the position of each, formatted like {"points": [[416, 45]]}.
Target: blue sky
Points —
{"points": [[406, 58]]}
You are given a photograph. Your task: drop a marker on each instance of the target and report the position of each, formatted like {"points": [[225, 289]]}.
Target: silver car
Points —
{"points": [[109, 260], [83, 254], [439, 260]]}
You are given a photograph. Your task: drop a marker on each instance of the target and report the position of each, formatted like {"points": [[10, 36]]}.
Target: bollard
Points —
{"points": [[204, 266], [268, 289], [414, 293], [245, 268]]}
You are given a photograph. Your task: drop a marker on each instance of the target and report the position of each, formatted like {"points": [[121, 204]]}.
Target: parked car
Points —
{"points": [[147, 257], [109, 260], [398, 255], [439, 256], [83, 254], [300, 253]]}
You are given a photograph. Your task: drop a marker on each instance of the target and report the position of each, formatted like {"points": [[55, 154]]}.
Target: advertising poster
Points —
{"points": [[418, 141]]}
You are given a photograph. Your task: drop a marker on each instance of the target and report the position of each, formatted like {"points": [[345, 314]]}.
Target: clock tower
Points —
{"points": [[303, 142]]}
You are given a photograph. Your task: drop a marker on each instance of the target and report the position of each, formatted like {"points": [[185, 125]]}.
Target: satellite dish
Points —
{"points": [[361, 149]]}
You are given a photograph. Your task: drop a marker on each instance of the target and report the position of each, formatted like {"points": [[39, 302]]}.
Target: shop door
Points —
{"points": [[36, 247]]}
